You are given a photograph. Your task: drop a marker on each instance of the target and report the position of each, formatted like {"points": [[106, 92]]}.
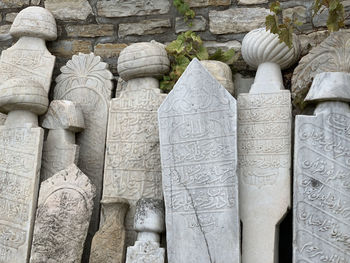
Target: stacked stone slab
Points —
{"points": [[198, 145], [63, 119], [108, 244], [25, 76], [132, 161], [321, 173], [63, 216], [87, 81], [264, 145], [149, 223]]}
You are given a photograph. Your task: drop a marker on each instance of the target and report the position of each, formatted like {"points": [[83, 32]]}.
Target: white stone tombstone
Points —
{"points": [[198, 145], [321, 173], [63, 119], [132, 161], [62, 218], [264, 146], [87, 81], [149, 223], [25, 72]]}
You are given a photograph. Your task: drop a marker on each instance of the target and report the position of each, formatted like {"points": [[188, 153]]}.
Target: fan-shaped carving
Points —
{"points": [[332, 55]]}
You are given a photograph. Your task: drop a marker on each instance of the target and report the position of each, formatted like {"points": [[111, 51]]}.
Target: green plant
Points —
{"points": [[181, 51], [184, 9], [336, 16]]}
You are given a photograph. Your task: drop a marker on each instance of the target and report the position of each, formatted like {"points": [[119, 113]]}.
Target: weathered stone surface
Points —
{"points": [[221, 72], [109, 50], [236, 20], [212, 46], [10, 17], [145, 27], [5, 29], [118, 8], [63, 119], [242, 84], [89, 30], [143, 60], [202, 3], [311, 40], [2, 118], [13, 3], [132, 163], [108, 244], [87, 81], [149, 223], [299, 12], [68, 48], [252, 2], [321, 182], [69, 9], [332, 55], [29, 57], [199, 23], [62, 220], [197, 130]]}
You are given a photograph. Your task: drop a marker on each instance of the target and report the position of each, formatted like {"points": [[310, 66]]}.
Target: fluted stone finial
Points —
{"points": [[145, 59], [264, 51]]}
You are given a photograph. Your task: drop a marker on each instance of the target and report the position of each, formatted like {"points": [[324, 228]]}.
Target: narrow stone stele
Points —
{"points": [[108, 244], [149, 223], [264, 145], [25, 76], [63, 119], [86, 80], [63, 216], [198, 145], [321, 173], [132, 161]]}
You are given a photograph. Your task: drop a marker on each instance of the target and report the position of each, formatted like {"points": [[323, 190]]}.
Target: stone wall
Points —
{"points": [[105, 27]]}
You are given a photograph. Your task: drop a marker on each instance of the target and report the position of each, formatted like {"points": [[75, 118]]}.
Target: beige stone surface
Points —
{"points": [[237, 20], [108, 244], [13, 3], [89, 30], [252, 2], [203, 3], [117, 8], [299, 12], [109, 50], [145, 27], [68, 48], [69, 9], [199, 23], [62, 219], [10, 17]]}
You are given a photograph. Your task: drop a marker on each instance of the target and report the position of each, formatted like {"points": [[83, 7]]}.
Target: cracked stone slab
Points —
{"points": [[198, 144]]}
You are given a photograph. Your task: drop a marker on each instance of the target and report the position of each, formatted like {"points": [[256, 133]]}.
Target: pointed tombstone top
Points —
{"points": [[329, 86], [195, 91], [64, 114]]}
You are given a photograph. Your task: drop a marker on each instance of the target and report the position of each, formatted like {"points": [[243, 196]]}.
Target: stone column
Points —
{"points": [[25, 76], [63, 119], [108, 243], [264, 146], [198, 145], [132, 161], [149, 223], [321, 173]]}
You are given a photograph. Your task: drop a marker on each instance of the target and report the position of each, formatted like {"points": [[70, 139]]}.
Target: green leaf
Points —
{"points": [[286, 36], [223, 56], [202, 53], [271, 24], [276, 7]]}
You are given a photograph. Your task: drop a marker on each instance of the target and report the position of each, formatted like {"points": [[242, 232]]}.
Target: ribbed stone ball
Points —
{"points": [[23, 94], [34, 21], [143, 60], [261, 46]]}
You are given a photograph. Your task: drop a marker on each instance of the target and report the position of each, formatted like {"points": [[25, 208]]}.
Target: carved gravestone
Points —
{"points": [[132, 162], [63, 215], [149, 223], [25, 72], [321, 173], [264, 145], [63, 119], [197, 130], [87, 81]]}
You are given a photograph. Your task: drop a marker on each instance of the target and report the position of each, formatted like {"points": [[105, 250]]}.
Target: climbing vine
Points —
{"points": [[184, 9]]}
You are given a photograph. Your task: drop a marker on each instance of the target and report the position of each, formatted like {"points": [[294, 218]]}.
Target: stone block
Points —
{"points": [[117, 8], [299, 12], [237, 20], [13, 3], [68, 48], [145, 27], [89, 30], [199, 23], [204, 3], [252, 2], [10, 17], [109, 50], [69, 9]]}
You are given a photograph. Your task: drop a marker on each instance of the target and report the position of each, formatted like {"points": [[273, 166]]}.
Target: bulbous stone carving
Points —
{"points": [[143, 60], [263, 50], [332, 55], [34, 21], [108, 243], [221, 72]]}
